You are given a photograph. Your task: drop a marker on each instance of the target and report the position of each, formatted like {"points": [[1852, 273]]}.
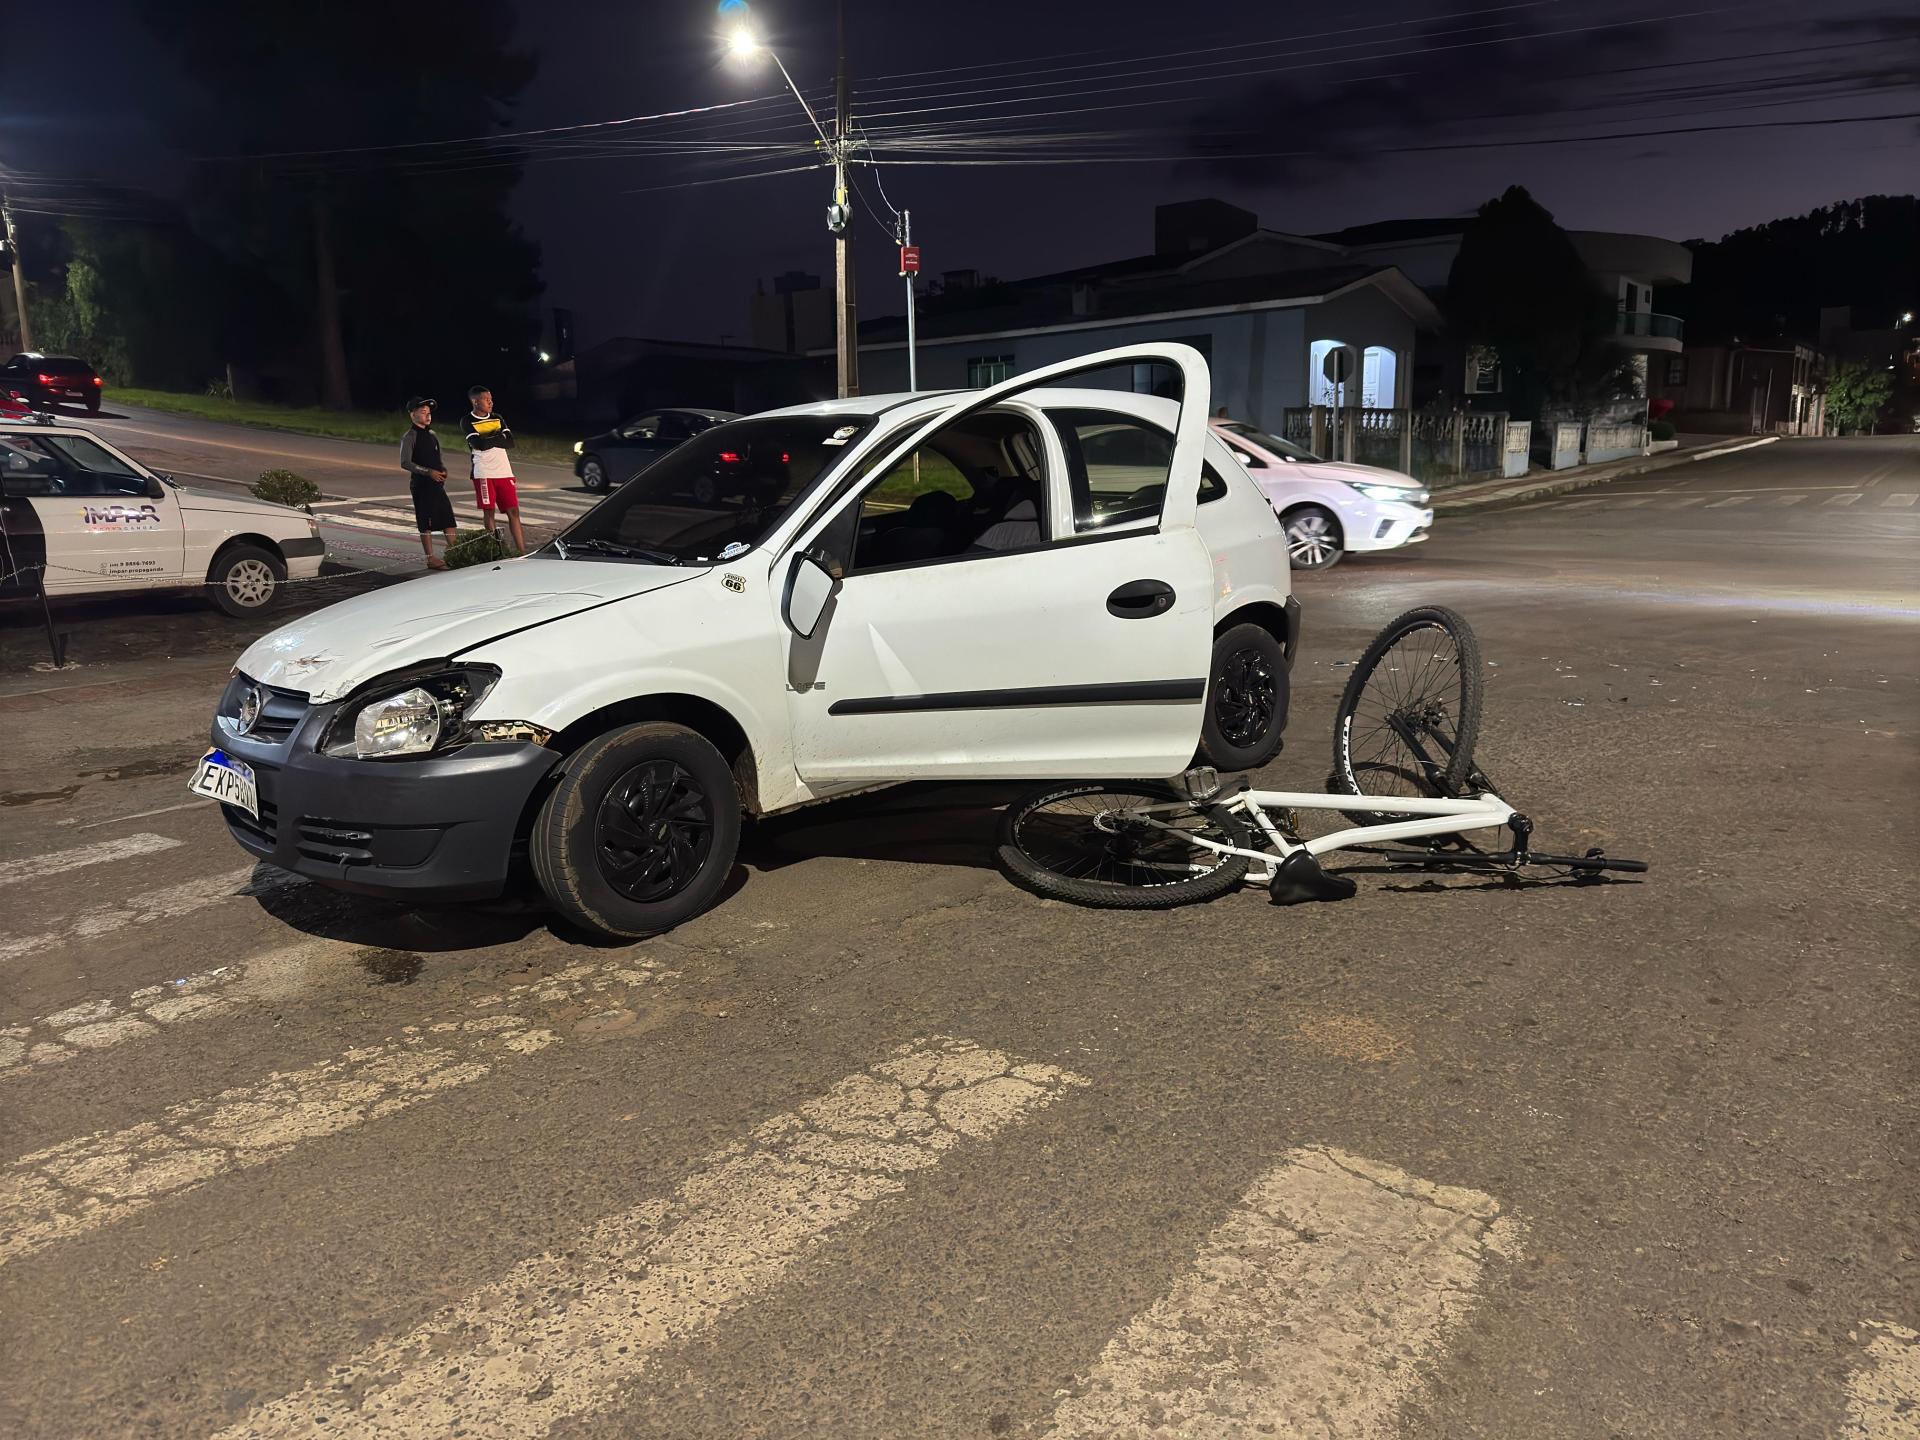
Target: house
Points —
{"points": [[1265, 307], [1627, 268], [1734, 388]]}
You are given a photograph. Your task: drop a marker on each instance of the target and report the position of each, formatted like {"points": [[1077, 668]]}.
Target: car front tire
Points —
{"points": [[1313, 538], [640, 833], [593, 475], [245, 579], [1247, 693]]}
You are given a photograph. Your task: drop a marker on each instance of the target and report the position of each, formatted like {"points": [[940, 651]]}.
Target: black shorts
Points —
{"points": [[432, 510]]}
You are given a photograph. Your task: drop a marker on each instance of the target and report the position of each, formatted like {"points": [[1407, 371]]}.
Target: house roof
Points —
{"points": [[1383, 231]]}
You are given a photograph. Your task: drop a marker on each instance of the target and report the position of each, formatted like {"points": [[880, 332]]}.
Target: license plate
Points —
{"points": [[221, 777]]}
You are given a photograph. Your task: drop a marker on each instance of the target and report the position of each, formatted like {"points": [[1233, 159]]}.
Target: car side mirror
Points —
{"points": [[810, 585], [156, 488]]}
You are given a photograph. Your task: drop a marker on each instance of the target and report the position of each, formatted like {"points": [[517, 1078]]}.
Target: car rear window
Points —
{"points": [[64, 365]]}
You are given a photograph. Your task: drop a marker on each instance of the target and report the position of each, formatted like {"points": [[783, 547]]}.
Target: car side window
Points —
{"points": [[1117, 467], [978, 489], [1212, 487], [645, 428], [674, 427]]}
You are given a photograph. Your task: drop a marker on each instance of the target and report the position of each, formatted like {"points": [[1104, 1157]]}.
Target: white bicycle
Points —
{"points": [[1402, 754]]}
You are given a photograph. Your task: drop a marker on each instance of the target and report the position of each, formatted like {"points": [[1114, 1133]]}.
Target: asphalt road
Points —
{"points": [[886, 1147]]}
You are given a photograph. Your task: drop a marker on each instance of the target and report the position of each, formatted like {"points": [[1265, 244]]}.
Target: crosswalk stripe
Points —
{"points": [[166, 902], [81, 1185], [1780, 502], [33, 867], [1628, 502], [95, 1025], [1329, 1263], [1843, 499], [514, 1358], [372, 527], [1730, 500], [1898, 501], [1683, 502], [1883, 1394]]}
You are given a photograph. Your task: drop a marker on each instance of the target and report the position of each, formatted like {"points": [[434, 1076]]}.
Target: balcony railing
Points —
{"points": [[1646, 322]]}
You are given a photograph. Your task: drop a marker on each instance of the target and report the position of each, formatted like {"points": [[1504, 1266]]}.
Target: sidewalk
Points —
{"points": [[1552, 482]]}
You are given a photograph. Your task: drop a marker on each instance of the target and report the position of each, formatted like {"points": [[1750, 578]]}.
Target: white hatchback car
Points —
{"points": [[1329, 507], [84, 519], [1020, 582]]}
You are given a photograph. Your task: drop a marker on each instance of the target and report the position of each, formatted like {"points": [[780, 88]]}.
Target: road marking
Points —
{"points": [[1842, 499], [145, 814], [1310, 1311], [102, 1024], [1730, 500], [1630, 501], [165, 903], [12, 872], [1782, 501], [1883, 1395], [1730, 449], [84, 1184], [1898, 501], [1683, 502], [561, 1332]]}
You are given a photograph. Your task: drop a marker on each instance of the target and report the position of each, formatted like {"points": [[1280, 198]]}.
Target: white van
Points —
{"points": [[82, 518], [785, 608]]}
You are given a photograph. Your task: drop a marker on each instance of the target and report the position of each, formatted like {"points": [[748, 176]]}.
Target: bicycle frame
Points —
{"points": [[1485, 811]]}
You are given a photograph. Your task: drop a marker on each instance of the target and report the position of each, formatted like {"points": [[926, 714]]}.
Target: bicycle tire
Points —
{"points": [[1040, 873], [1457, 739]]}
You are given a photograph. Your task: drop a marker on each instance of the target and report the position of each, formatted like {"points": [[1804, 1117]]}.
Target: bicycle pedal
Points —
{"points": [[1299, 879]]}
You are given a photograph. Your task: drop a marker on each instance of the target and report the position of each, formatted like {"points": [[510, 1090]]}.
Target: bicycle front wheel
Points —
{"points": [[1119, 846], [1410, 716]]}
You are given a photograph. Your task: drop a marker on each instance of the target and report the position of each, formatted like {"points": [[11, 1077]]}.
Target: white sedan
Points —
{"points": [[1327, 506], [81, 518]]}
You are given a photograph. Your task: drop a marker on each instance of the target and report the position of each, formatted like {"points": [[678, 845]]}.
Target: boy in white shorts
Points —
{"points": [[488, 444]]}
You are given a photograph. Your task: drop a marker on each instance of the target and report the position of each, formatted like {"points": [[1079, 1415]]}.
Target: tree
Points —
{"points": [[1519, 289], [394, 269], [1856, 394]]}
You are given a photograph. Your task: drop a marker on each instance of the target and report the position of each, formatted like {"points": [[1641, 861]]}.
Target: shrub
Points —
{"points": [[283, 487], [1661, 430], [475, 547]]}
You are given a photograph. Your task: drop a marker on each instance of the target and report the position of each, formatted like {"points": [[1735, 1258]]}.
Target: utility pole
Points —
{"points": [[847, 337], [19, 271]]}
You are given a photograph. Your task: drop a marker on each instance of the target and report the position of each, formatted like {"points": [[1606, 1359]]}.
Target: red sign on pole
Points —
{"points": [[909, 259]]}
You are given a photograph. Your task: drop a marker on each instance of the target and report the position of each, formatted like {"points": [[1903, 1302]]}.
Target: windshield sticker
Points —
{"points": [[840, 436], [119, 517], [738, 547], [735, 583]]}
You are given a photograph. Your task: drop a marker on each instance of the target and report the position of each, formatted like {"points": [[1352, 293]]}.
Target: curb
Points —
{"points": [[1556, 483]]}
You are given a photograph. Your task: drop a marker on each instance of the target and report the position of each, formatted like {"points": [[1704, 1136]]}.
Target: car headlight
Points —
{"points": [[1386, 492], [579, 447], [411, 716]]}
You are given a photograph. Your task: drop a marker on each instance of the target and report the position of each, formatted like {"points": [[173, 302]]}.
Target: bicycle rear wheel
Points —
{"points": [[1091, 842], [1410, 716]]}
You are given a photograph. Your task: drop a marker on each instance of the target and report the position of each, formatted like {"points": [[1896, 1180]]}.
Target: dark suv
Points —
{"points": [[48, 380]]}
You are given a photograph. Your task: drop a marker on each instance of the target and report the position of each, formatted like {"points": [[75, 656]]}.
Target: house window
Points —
{"points": [[1485, 379], [985, 370], [1676, 370]]}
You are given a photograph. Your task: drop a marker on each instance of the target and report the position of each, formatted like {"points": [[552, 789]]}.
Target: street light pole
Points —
{"points": [[906, 240]]}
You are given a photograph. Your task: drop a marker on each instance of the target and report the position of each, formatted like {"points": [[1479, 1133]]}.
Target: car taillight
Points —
{"points": [[98, 381], [729, 457], [785, 458], [44, 379]]}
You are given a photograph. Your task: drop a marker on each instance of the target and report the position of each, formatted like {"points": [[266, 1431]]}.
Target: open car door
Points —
{"points": [[954, 614]]}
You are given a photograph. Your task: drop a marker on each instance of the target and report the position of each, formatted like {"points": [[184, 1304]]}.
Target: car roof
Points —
{"points": [[908, 405], [702, 413]]}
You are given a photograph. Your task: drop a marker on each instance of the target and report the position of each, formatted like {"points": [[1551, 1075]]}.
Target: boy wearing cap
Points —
{"points": [[488, 441], [426, 479]]}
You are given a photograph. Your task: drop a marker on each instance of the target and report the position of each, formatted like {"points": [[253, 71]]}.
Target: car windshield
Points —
{"points": [[716, 495], [1272, 444]]}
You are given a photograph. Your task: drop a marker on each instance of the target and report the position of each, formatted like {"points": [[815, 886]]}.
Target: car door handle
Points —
{"points": [[1141, 599]]}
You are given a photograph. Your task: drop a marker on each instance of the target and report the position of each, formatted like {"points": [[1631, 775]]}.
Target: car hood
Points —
{"points": [[330, 652], [1357, 474], [206, 501]]}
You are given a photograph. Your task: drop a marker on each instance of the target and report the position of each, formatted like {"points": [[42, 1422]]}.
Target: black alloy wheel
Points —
{"points": [[654, 831], [1244, 706]]}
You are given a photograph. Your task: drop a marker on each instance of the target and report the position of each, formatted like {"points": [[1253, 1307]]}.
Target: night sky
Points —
{"points": [[1313, 117]]}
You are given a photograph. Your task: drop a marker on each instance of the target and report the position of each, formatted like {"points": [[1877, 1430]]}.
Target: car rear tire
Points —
{"points": [[1313, 538], [1246, 715], [593, 475], [245, 579], [640, 833], [93, 407]]}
